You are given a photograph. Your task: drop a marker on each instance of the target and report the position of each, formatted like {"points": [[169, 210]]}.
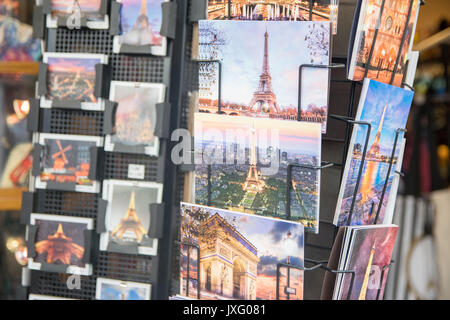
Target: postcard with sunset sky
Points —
{"points": [[65, 7], [260, 68], [249, 165], [238, 255], [386, 108]]}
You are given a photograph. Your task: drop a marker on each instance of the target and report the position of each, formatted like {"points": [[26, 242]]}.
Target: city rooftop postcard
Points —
{"points": [[259, 166], [260, 66], [232, 255], [386, 108]]}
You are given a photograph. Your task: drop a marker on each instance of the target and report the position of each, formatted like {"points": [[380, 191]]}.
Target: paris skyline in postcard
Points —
{"points": [[260, 68]]}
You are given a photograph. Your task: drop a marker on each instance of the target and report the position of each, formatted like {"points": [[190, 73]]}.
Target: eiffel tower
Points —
{"points": [[264, 100], [374, 151], [141, 33], [363, 292], [253, 182], [131, 223]]}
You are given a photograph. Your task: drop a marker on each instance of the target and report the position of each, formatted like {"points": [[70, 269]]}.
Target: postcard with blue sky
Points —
{"points": [[232, 255], [260, 63], [386, 108]]}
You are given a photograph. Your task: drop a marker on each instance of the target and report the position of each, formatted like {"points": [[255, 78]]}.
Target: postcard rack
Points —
{"points": [[169, 70]]}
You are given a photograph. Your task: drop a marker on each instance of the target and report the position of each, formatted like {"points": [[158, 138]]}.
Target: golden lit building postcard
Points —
{"points": [[382, 34], [94, 11], [60, 240], [259, 74], [232, 255], [72, 77], [140, 24], [135, 117], [127, 218], [259, 166], [386, 108]]}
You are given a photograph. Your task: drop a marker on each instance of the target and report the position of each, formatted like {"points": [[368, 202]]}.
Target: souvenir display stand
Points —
{"points": [[179, 72]]}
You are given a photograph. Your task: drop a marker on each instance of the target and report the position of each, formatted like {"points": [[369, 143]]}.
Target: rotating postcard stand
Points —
{"points": [[167, 31], [74, 17], [100, 90]]}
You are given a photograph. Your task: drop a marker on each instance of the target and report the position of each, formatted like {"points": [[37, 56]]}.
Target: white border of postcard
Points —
{"points": [[101, 281]]}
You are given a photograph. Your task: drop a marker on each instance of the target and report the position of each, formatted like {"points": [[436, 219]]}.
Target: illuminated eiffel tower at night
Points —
{"points": [[375, 149], [264, 100]]}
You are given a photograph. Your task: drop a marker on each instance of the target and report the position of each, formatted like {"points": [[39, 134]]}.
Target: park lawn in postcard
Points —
{"points": [[386, 108], [258, 154], [260, 68], [140, 22], [72, 77], [127, 217], [369, 252], [135, 117], [237, 255], [66, 159], [60, 240], [392, 44], [111, 289]]}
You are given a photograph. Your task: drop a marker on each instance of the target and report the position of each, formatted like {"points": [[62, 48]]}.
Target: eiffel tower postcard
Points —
{"points": [[140, 24], [60, 241], [127, 218], [386, 108], [260, 69], [94, 11], [238, 151]]}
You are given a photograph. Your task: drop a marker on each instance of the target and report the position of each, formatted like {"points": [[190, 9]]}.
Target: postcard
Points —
{"points": [[249, 164], [382, 50], [369, 255], [386, 108], [72, 77], [75, 10], [239, 256], [140, 22], [111, 289], [32, 296], [60, 240], [135, 117], [290, 10], [260, 68], [66, 159], [127, 218]]}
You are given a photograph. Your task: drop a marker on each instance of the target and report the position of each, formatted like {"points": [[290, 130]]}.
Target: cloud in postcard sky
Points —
{"points": [[130, 12], [72, 64], [399, 102], [243, 58], [314, 87], [86, 5], [292, 135]]}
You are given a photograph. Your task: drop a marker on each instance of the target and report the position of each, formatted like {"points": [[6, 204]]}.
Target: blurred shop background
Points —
{"points": [[422, 257]]}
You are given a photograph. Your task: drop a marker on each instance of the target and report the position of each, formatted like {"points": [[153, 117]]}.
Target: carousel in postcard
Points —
{"points": [[279, 10], [263, 158], [239, 256], [386, 108], [140, 22], [260, 68]]}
